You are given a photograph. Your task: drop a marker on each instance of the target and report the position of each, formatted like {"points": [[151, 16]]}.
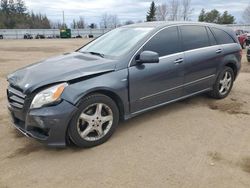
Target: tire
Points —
{"points": [[220, 82], [94, 122]]}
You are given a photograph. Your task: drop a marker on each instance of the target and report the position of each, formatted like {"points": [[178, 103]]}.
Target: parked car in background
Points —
{"points": [[80, 97], [90, 36], [248, 54], [39, 36], [27, 36], [248, 37], [1, 36], [242, 37]]}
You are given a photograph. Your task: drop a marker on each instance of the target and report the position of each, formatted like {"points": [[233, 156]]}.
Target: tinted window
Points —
{"points": [[165, 42], [211, 37], [222, 37], [194, 37]]}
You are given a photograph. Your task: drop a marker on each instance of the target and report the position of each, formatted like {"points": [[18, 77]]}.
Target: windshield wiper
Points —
{"points": [[96, 53]]}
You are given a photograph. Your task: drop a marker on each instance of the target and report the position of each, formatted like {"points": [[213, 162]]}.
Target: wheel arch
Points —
{"points": [[233, 66], [115, 97]]}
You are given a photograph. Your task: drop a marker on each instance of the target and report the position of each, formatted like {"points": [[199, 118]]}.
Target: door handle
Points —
{"points": [[218, 51], [179, 61]]}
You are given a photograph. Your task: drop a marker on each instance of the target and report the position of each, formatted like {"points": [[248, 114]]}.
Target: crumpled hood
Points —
{"points": [[60, 69]]}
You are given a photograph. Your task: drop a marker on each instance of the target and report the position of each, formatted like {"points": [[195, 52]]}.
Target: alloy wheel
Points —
{"points": [[225, 83], [95, 122]]}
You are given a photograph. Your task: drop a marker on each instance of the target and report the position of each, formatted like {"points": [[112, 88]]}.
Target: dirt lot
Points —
{"points": [[199, 142]]}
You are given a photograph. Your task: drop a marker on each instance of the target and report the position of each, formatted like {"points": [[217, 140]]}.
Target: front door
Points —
{"points": [[157, 83]]}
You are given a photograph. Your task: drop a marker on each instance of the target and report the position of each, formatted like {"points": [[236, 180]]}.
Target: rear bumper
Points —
{"points": [[47, 125]]}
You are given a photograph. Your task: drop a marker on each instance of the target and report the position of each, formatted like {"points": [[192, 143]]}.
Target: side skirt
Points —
{"points": [[165, 103]]}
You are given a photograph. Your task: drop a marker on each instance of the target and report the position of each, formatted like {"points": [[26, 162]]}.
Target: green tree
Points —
{"points": [[202, 15], [5, 6], [151, 15], [20, 7], [214, 16], [226, 18], [13, 14]]}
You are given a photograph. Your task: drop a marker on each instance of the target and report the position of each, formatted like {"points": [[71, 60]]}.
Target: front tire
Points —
{"points": [[94, 122], [223, 84]]}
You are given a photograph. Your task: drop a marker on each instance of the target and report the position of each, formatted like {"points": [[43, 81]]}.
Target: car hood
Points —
{"points": [[58, 69]]}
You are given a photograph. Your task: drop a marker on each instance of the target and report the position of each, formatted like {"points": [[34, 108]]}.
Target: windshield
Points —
{"points": [[117, 42]]}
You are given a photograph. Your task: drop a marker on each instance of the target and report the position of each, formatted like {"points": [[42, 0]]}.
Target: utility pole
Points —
{"points": [[63, 21]]}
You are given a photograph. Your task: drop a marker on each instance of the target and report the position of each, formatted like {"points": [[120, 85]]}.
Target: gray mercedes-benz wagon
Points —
{"points": [[80, 97]]}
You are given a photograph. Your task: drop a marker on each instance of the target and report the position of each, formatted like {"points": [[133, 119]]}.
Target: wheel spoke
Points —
{"points": [[222, 81], [226, 75], [229, 79], [221, 89], [86, 131], [98, 111], [99, 131], [106, 118], [228, 86]]}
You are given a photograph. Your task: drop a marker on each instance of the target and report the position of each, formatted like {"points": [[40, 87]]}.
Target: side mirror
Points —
{"points": [[148, 57]]}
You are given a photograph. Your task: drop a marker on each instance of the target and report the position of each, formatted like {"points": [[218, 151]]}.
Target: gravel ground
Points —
{"points": [[198, 142]]}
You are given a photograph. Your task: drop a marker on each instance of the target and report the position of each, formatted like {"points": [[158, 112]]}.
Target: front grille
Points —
{"points": [[15, 97]]}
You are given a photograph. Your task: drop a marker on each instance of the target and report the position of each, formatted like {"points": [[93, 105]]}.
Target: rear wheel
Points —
{"points": [[95, 121], [223, 84]]}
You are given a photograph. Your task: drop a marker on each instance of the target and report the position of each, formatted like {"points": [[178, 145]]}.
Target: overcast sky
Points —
{"points": [[134, 10]]}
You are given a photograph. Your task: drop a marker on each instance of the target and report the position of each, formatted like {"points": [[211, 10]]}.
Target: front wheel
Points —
{"points": [[223, 84], [95, 121]]}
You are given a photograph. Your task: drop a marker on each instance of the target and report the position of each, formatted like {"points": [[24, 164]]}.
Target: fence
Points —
{"points": [[19, 33]]}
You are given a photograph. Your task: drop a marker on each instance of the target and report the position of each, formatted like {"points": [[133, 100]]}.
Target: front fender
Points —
{"points": [[115, 82]]}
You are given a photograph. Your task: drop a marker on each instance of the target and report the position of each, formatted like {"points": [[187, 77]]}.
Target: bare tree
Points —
{"points": [[56, 24], [73, 24], [81, 23], [109, 21], [186, 9], [174, 9], [162, 12], [104, 21], [246, 14], [114, 21]]}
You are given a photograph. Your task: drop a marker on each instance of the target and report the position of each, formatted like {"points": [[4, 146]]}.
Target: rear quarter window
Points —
{"points": [[222, 37]]}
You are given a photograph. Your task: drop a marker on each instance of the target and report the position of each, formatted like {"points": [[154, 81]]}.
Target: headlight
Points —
{"points": [[48, 96]]}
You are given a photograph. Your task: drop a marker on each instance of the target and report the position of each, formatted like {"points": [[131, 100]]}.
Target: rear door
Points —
{"points": [[226, 42], [202, 55], [153, 84]]}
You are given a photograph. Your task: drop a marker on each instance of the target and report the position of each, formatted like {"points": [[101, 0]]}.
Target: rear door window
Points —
{"points": [[211, 37], [194, 37], [165, 42], [222, 37]]}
